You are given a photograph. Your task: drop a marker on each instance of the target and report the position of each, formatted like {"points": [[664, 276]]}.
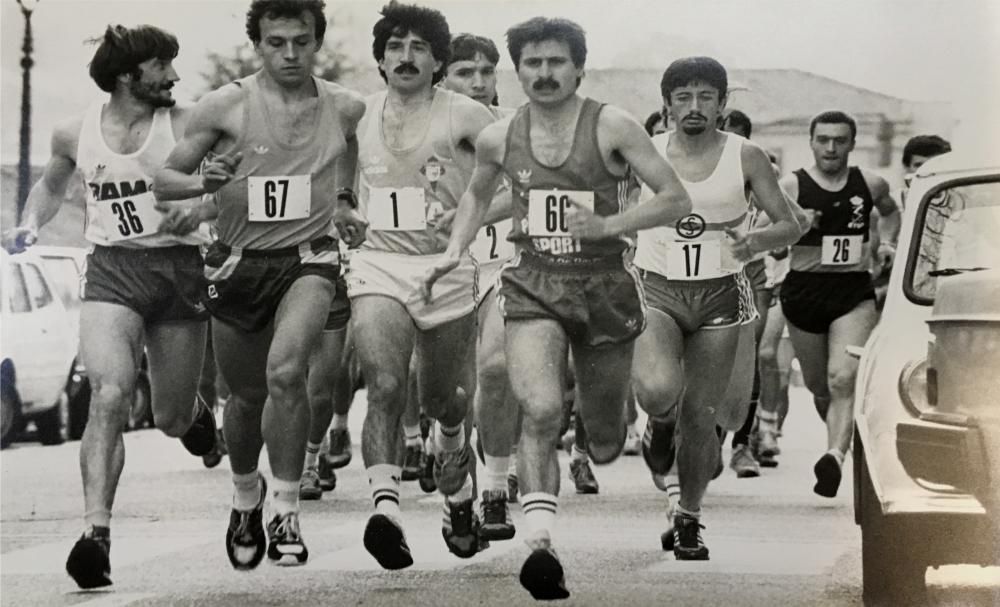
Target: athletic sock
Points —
{"points": [[673, 484], [247, 494], [449, 438], [695, 514], [512, 467], [539, 514], [339, 421], [102, 517], [767, 421], [383, 479], [837, 453], [412, 435], [463, 494], [284, 496], [496, 473], [579, 455], [324, 446], [312, 455]]}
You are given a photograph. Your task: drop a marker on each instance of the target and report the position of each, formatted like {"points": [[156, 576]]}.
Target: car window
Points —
{"points": [[38, 290], [65, 279], [17, 294], [959, 232]]}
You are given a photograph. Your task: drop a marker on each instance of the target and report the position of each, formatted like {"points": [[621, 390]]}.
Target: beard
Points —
{"points": [[153, 94], [694, 129]]}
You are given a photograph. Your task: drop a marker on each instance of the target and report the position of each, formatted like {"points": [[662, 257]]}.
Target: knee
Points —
{"points": [[697, 420], [655, 395], [109, 403], [174, 423], [841, 382], [492, 381], [767, 356], [542, 419], [385, 389], [286, 381]]}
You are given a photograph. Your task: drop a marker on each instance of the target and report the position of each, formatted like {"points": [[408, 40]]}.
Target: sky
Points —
{"points": [[921, 50]]}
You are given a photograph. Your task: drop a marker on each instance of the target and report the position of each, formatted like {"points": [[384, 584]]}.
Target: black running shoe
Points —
{"points": [[341, 450], [89, 562], [327, 477], [687, 542], [200, 438], [385, 541], [542, 576], [512, 488], [658, 446], [495, 522], [426, 480], [246, 541], [583, 477], [411, 462], [827, 471], [214, 457], [460, 528], [284, 541]]}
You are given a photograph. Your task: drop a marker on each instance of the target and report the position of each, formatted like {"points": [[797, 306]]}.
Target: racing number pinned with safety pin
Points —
{"points": [[130, 217], [842, 250], [548, 218], [397, 209], [279, 198]]}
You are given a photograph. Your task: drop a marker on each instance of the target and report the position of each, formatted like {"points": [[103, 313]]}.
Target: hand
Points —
{"points": [[885, 256], [178, 219], [18, 239], [584, 224], [739, 244], [219, 170], [351, 225], [814, 218], [442, 223], [442, 266]]}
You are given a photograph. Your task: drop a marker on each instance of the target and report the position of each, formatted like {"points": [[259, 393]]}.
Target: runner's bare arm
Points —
{"points": [[351, 225], [888, 210], [468, 119], [784, 228], [48, 193]]}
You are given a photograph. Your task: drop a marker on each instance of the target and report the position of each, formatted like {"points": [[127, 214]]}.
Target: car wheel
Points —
{"points": [[141, 414], [893, 552], [10, 411], [52, 424]]}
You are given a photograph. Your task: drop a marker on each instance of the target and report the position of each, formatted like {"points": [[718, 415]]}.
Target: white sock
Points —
{"points": [[412, 435], [496, 473], [767, 421], [312, 455], [247, 493], [695, 514], [384, 482], [837, 453], [449, 438], [339, 421], [512, 467], [673, 484], [579, 455], [539, 514], [465, 493], [284, 496]]}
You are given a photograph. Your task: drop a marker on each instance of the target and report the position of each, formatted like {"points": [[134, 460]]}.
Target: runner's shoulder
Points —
{"points": [[350, 102], [66, 136]]}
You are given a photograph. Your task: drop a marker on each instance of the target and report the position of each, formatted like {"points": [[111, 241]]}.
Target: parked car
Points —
{"points": [[38, 346], [927, 421]]}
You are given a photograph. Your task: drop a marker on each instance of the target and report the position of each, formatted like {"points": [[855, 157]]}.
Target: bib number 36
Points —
{"points": [[130, 218]]}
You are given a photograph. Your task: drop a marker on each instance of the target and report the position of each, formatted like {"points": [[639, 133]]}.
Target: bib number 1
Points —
{"points": [[397, 209]]}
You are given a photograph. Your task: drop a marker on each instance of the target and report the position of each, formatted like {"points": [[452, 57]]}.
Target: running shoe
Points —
{"points": [[385, 541], [327, 477], [426, 480], [340, 448], [512, 488], [658, 446], [765, 448], [246, 541], [214, 458], [495, 520], [542, 575], [685, 539], [200, 438], [451, 468], [309, 488], [285, 545], [743, 463], [633, 442], [411, 462], [89, 562], [583, 477], [827, 471], [460, 528]]}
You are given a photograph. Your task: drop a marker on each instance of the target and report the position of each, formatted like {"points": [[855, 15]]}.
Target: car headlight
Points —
{"points": [[914, 386]]}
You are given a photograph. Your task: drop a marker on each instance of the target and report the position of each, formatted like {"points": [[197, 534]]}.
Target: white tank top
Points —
{"points": [[694, 248], [120, 202]]}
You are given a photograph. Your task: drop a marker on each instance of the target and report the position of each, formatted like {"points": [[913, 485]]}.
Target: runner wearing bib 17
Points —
{"points": [[827, 297], [700, 300], [571, 284], [278, 149], [141, 285]]}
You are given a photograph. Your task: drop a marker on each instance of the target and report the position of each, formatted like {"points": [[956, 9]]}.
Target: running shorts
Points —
{"points": [[713, 303], [813, 300]]}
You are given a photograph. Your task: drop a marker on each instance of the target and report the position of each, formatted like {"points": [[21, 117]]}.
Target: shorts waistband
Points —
{"points": [[147, 252], [323, 243], [692, 284], [564, 263]]}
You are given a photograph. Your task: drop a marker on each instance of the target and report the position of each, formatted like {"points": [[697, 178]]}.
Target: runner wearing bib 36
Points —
{"points": [[570, 284], [700, 300], [279, 144], [827, 297]]}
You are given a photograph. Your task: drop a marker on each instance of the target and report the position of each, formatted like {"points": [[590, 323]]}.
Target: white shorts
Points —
{"points": [[488, 274], [398, 276]]}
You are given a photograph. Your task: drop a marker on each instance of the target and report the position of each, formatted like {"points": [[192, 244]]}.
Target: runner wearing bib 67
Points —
{"points": [[141, 285], [828, 297], [699, 298], [571, 284], [278, 149]]}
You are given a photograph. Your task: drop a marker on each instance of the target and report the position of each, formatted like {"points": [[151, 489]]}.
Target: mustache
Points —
{"points": [[694, 115], [545, 83], [406, 68]]}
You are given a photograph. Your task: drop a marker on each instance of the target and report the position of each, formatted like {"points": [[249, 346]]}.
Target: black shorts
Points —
{"points": [[246, 286], [340, 308], [811, 301], [596, 301], [714, 303], [161, 284]]}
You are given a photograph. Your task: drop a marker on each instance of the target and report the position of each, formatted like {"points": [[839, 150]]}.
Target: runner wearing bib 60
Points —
{"points": [[570, 284], [827, 296], [700, 300], [279, 145], [415, 159], [141, 285]]}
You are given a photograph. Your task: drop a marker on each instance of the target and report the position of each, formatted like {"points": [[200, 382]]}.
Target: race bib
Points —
{"points": [[547, 210], [279, 198], [842, 250], [130, 217], [491, 242], [694, 260], [397, 209]]}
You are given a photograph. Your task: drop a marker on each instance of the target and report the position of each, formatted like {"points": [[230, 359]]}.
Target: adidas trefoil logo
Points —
{"points": [[524, 175], [261, 149]]}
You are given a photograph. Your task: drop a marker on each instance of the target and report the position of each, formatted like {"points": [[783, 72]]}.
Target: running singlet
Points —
{"points": [[120, 204], [541, 193], [401, 191], [841, 243], [694, 248], [283, 195]]}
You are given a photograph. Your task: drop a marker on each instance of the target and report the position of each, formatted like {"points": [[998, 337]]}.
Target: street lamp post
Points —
{"points": [[24, 162]]}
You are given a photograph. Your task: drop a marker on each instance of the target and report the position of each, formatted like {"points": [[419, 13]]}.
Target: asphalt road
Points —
{"points": [[772, 541]]}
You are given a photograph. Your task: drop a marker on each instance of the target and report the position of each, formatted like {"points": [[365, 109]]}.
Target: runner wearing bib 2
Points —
{"points": [[828, 297]]}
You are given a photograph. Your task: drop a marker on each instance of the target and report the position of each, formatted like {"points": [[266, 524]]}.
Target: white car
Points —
{"points": [[927, 398], [38, 346]]}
